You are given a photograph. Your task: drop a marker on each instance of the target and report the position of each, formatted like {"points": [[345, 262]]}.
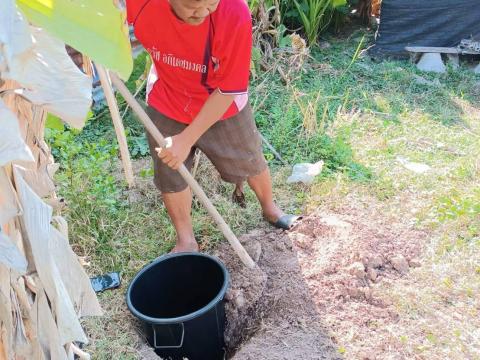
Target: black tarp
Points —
{"points": [[425, 23]]}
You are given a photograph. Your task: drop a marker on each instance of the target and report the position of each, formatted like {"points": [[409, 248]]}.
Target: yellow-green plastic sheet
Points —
{"points": [[96, 28]]}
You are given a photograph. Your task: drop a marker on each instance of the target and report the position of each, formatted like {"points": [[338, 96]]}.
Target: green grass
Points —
{"points": [[359, 117], [389, 115]]}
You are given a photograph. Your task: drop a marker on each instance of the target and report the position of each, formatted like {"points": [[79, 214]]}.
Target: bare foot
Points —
{"points": [[185, 247]]}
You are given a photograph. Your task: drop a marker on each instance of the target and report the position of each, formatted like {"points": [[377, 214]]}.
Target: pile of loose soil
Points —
{"points": [[272, 303], [322, 277]]}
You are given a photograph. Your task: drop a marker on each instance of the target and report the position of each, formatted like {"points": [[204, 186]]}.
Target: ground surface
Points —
{"points": [[287, 324], [385, 265], [324, 277]]}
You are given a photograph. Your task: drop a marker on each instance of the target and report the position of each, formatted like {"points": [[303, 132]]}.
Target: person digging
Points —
{"points": [[197, 97]]}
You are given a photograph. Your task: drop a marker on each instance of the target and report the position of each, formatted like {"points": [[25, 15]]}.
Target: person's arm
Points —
{"points": [[234, 73], [213, 109]]}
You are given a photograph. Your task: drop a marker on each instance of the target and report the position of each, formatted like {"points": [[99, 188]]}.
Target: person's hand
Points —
{"points": [[175, 151]]}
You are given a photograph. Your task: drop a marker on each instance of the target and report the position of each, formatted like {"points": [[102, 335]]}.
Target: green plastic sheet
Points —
{"points": [[96, 28]]}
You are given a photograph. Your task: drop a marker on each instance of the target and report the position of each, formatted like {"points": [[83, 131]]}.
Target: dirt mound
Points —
{"points": [[323, 276], [275, 307], [245, 302]]}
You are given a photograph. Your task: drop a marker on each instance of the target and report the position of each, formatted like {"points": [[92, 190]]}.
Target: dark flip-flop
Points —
{"points": [[286, 222], [239, 199]]}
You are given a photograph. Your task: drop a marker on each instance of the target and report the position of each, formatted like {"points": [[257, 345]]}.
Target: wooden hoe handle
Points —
{"points": [[197, 190]]}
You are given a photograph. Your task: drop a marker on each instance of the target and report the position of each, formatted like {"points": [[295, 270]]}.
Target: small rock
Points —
{"points": [[256, 233], [372, 274], [238, 298], [280, 245], [431, 62], [375, 262], [302, 323], [367, 292], [302, 241], [399, 263], [364, 355], [357, 269], [254, 249], [244, 239], [271, 236], [324, 45], [229, 295], [414, 263], [363, 257], [355, 293], [288, 243], [422, 81]]}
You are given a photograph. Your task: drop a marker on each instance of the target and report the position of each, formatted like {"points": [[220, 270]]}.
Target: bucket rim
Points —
{"points": [[183, 318]]}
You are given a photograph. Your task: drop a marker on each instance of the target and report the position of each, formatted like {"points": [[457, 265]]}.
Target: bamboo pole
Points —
{"points": [[198, 155], [140, 88], [117, 123], [197, 190]]}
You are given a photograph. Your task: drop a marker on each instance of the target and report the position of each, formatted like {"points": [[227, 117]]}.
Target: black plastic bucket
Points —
{"points": [[179, 299]]}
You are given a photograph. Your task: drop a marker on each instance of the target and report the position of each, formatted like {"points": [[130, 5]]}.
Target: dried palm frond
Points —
{"points": [[265, 30], [300, 52]]}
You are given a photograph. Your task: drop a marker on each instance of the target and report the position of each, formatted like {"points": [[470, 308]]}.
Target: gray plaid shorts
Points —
{"points": [[233, 146]]}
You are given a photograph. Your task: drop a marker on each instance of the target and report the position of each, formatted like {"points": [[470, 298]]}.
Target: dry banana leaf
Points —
{"points": [[31, 120], [36, 221], [6, 324], [12, 145], [22, 346], [74, 277], [10, 256], [47, 330], [8, 199]]}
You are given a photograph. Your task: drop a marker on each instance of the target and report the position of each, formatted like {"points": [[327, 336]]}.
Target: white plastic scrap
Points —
{"points": [[12, 145], [413, 166], [43, 69], [305, 172]]}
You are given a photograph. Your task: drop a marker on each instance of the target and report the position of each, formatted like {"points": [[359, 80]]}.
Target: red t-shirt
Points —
{"points": [[193, 61]]}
